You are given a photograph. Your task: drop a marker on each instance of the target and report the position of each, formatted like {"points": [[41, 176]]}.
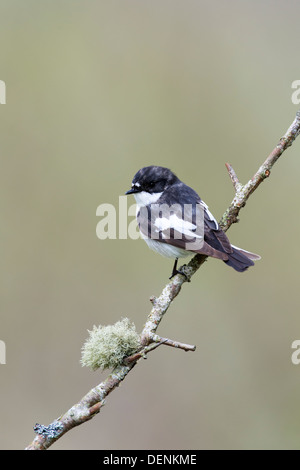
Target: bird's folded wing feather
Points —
{"points": [[192, 228]]}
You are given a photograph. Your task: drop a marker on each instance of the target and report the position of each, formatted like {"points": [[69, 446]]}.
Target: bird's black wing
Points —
{"points": [[216, 239], [177, 225]]}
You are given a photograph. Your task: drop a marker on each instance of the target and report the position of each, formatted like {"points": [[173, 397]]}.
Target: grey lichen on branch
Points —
{"points": [[92, 402], [107, 346]]}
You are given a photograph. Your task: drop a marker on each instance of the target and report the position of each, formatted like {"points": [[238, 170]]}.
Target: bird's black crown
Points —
{"points": [[153, 179]]}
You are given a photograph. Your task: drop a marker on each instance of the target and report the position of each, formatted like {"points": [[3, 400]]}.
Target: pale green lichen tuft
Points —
{"points": [[107, 346]]}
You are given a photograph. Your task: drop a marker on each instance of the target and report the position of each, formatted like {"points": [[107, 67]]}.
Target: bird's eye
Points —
{"points": [[151, 184]]}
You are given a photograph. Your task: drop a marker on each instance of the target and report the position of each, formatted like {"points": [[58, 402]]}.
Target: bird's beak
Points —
{"points": [[133, 190]]}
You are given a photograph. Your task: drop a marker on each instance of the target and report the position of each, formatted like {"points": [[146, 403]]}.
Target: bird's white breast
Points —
{"points": [[166, 249]]}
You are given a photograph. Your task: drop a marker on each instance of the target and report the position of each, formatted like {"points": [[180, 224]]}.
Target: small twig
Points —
{"points": [[173, 344], [235, 181], [142, 353]]}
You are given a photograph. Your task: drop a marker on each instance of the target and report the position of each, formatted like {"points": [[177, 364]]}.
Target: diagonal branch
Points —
{"points": [[244, 191], [93, 401]]}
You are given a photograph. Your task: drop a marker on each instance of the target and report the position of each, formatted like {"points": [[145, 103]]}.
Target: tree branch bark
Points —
{"points": [[92, 402]]}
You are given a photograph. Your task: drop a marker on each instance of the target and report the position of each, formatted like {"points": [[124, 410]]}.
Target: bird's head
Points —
{"points": [[149, 183]]}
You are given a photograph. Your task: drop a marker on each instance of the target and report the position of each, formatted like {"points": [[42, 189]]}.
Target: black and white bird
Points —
{"points": [[188, 227]]}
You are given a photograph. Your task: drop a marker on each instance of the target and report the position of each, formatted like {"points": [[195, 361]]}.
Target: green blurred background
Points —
{"points": [[95, 91]]}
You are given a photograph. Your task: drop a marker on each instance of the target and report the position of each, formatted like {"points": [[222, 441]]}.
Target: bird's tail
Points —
{"points": [[240, 260]]}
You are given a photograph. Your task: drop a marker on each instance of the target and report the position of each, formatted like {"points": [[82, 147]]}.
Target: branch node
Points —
{"points": [[96, 408], [153, 299]]}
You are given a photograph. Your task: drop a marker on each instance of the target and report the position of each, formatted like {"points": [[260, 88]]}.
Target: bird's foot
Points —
{"points": [[179, 271]]}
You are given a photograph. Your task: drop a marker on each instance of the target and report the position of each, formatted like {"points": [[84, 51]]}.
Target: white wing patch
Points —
{"points": [[176, 223], [210, 216]]}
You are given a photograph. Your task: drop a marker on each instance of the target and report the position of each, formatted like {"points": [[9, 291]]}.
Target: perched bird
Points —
{"points": [[175, 222]]}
